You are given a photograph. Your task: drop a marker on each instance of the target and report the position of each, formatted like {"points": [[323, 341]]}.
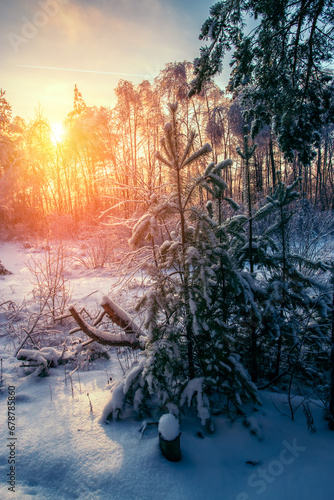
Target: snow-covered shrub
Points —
{"points": [[312, 231], [80, 355], [223, 295], [131, 388], [49, 279], [97, 248]]}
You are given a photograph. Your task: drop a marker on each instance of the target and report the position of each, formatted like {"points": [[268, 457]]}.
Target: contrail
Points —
{"points": [[82, 71]]}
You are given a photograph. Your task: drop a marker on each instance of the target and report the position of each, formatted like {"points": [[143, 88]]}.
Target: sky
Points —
{"points": [[48, 46]]}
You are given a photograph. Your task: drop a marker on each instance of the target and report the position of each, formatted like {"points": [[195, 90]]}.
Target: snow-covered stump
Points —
{"points": [[169, 437]]}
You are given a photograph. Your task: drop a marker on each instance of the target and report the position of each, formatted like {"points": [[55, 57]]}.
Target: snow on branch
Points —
{"points": [[189, 146], [159, 157], [121, 317], [105, 338], [201, 152]]}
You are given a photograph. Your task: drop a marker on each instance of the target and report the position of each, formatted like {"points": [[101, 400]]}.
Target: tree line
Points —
{"points": [[106, 162]]}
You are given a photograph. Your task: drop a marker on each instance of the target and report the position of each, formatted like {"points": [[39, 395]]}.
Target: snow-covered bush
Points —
{"points": [[97, 248], [50, 283]]}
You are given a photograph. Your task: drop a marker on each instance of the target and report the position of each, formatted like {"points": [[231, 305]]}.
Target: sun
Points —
{"points": [[57, 133]]}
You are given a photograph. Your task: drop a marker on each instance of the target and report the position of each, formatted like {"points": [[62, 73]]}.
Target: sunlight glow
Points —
{"points": [[57, 132]]}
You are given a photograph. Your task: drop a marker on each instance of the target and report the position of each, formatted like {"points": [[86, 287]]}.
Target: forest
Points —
{"points": [[104, 163], [210, 210]]}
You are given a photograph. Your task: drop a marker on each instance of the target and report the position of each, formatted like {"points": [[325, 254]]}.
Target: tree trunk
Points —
{"points": [[254, 372], [272, 161], [331, 401], [170, 449]]}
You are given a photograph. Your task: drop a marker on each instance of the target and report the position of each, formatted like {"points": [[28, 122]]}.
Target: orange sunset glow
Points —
{"points": [[84, 87], [85, 92]]}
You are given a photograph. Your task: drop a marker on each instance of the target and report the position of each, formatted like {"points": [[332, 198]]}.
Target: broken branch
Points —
{"points": [[121, 317], [105, 338]]}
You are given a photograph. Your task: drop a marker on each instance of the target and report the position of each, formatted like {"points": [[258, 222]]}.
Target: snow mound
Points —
{"points": [[169, 427], [43, 358], [43, 355]]}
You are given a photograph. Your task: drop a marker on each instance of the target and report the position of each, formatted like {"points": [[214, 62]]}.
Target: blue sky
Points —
{"points": [[127, 37]]}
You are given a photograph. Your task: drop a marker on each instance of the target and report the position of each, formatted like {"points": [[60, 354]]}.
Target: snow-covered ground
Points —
{"points": [[61, 450]]}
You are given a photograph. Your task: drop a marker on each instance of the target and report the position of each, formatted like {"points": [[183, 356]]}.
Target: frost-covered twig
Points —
{"points": [[33, 326], [29, 335], [69, 315], [10, 302]]}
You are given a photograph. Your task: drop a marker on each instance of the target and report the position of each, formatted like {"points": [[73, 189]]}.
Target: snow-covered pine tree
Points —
{"points": [[294, 305], [246, 155], [279, 68], [190, 357]]}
